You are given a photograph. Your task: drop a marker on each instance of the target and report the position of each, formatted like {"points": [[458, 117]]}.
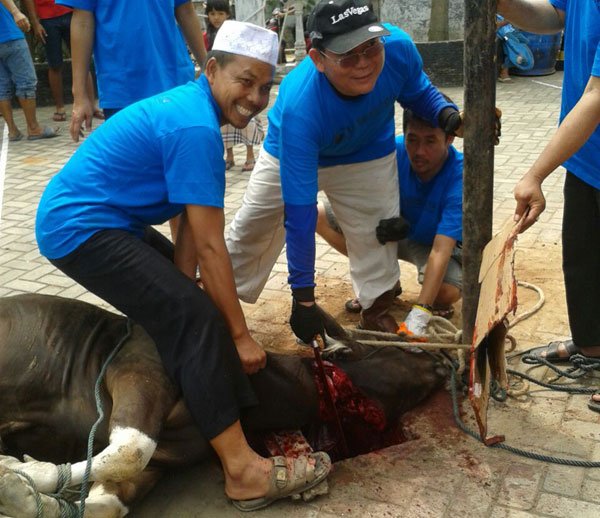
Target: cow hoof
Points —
{"points": [[18, 498], [43, 474]]}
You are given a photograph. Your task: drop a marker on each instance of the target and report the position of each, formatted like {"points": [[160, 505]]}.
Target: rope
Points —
{"points": [[67, 509], [504, 446], [450, 338], [99, 407]]}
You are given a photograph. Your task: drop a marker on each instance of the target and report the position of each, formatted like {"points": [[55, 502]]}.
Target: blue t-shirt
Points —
{"points": [[139, 168], [311, 125], [138, 49], [582, 60], [8, 28], [433, 207]]}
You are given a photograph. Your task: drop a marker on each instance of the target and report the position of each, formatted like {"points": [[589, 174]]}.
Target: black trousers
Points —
{"points": [[581, 259], [138, 277]]}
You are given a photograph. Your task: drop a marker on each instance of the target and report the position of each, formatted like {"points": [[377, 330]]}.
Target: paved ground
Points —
{"points": [[440, 471]]}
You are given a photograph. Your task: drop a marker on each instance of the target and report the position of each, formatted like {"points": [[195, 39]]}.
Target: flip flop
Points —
{"points": [[594, 405], [352, 306], [16, 138], [248, 166], [98, 114], [229, 164], [284, 483], [59, 117], [47, 132], [553, 352], [444, 312]]}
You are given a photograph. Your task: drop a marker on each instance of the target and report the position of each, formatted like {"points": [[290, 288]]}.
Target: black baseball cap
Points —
{"points": [[341, 25]]}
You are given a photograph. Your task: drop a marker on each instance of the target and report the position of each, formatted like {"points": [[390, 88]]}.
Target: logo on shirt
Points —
{"points": [[351, 11]]}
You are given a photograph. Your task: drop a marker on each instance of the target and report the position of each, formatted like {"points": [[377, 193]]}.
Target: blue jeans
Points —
{"points": [[16, 69], [57, 30]]}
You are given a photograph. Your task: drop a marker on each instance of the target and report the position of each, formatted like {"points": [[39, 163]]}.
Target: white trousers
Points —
{"points": [[360, 195]]}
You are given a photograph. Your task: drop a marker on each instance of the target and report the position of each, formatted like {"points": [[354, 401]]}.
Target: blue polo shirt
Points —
{"points": [[138, 48], [582, 60], [140, 168], [311, 125], [433, 207], [8, 28]]}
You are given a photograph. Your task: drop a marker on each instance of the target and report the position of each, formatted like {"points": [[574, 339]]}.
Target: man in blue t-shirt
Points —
{"points": [[157, 158], [138, 52], [430, 176], [332, 129], [575, 145]]}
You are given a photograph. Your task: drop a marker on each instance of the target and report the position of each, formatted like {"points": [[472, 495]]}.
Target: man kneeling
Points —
{"points": [[429, 233]]}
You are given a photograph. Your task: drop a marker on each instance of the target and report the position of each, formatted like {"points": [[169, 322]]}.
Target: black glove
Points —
{"points": [[450, 121], [306, 322], [393, 229]]}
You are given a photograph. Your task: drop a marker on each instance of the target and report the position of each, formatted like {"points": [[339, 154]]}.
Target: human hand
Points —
{"points": [[83, 111], [21, 21], [306, 322], [252, 355], [39, 32], [392, 229], [530, 200], [457, 124], [417, 320]]}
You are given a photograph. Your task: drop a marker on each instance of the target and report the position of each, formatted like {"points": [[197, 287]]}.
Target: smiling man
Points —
{"points": [[332, 128], [155, 159], [429, 233]]}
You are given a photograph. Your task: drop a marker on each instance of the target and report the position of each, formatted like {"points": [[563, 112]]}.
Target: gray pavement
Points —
{"points": [[439, 472]]}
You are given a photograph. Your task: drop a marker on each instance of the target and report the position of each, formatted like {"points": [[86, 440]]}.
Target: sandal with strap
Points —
{"points": [[286, 481], [248, 165], [229, 164], [59, 117], [353, 306], [553, 351], [443, 311]]}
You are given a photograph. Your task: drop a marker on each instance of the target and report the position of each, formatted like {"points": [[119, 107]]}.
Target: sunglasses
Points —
{"points": [[351, 60]]}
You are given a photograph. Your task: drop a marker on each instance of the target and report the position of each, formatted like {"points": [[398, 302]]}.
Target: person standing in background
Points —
{"points": [[51, 24], [17, 71], [138, 52]]}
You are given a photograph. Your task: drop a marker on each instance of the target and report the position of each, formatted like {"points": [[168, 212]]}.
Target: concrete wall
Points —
{"points": [[413, 16]]}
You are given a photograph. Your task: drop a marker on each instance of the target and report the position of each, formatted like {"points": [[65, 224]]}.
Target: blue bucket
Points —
{"points": [[545, 49]]}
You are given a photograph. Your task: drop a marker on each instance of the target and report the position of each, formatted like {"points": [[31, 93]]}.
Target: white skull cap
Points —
{"points": [[247, 39]]}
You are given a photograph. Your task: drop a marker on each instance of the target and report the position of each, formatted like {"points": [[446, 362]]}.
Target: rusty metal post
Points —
{"points": [[479, 102]]}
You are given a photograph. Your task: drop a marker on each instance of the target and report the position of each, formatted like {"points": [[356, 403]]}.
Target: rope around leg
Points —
{"points": [[90, 449]]}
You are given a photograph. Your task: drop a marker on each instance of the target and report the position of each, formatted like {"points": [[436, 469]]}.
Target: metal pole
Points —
{"points": [[479, 102]]}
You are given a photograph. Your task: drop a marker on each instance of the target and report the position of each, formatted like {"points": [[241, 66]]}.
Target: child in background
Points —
{"points": [[217, 11]]}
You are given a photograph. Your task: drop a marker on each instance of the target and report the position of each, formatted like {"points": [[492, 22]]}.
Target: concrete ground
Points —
{"points": [[439, 472]]}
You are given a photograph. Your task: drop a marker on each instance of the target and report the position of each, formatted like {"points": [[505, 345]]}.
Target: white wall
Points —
{"points": [[413, 16]]}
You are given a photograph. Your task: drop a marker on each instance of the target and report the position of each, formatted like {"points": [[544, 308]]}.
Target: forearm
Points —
{"points": [[219, 283], [437, 264], [575, 129], [83, 28], [10, 6], [537, 16], [192, 32], [31, 11], [432, 281]]}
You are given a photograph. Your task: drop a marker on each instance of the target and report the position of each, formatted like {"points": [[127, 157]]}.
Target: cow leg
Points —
{"points": [[127, 454], [17, 498]]}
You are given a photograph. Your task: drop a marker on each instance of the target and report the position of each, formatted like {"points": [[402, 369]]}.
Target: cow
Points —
{"points": [[52, 351]]}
